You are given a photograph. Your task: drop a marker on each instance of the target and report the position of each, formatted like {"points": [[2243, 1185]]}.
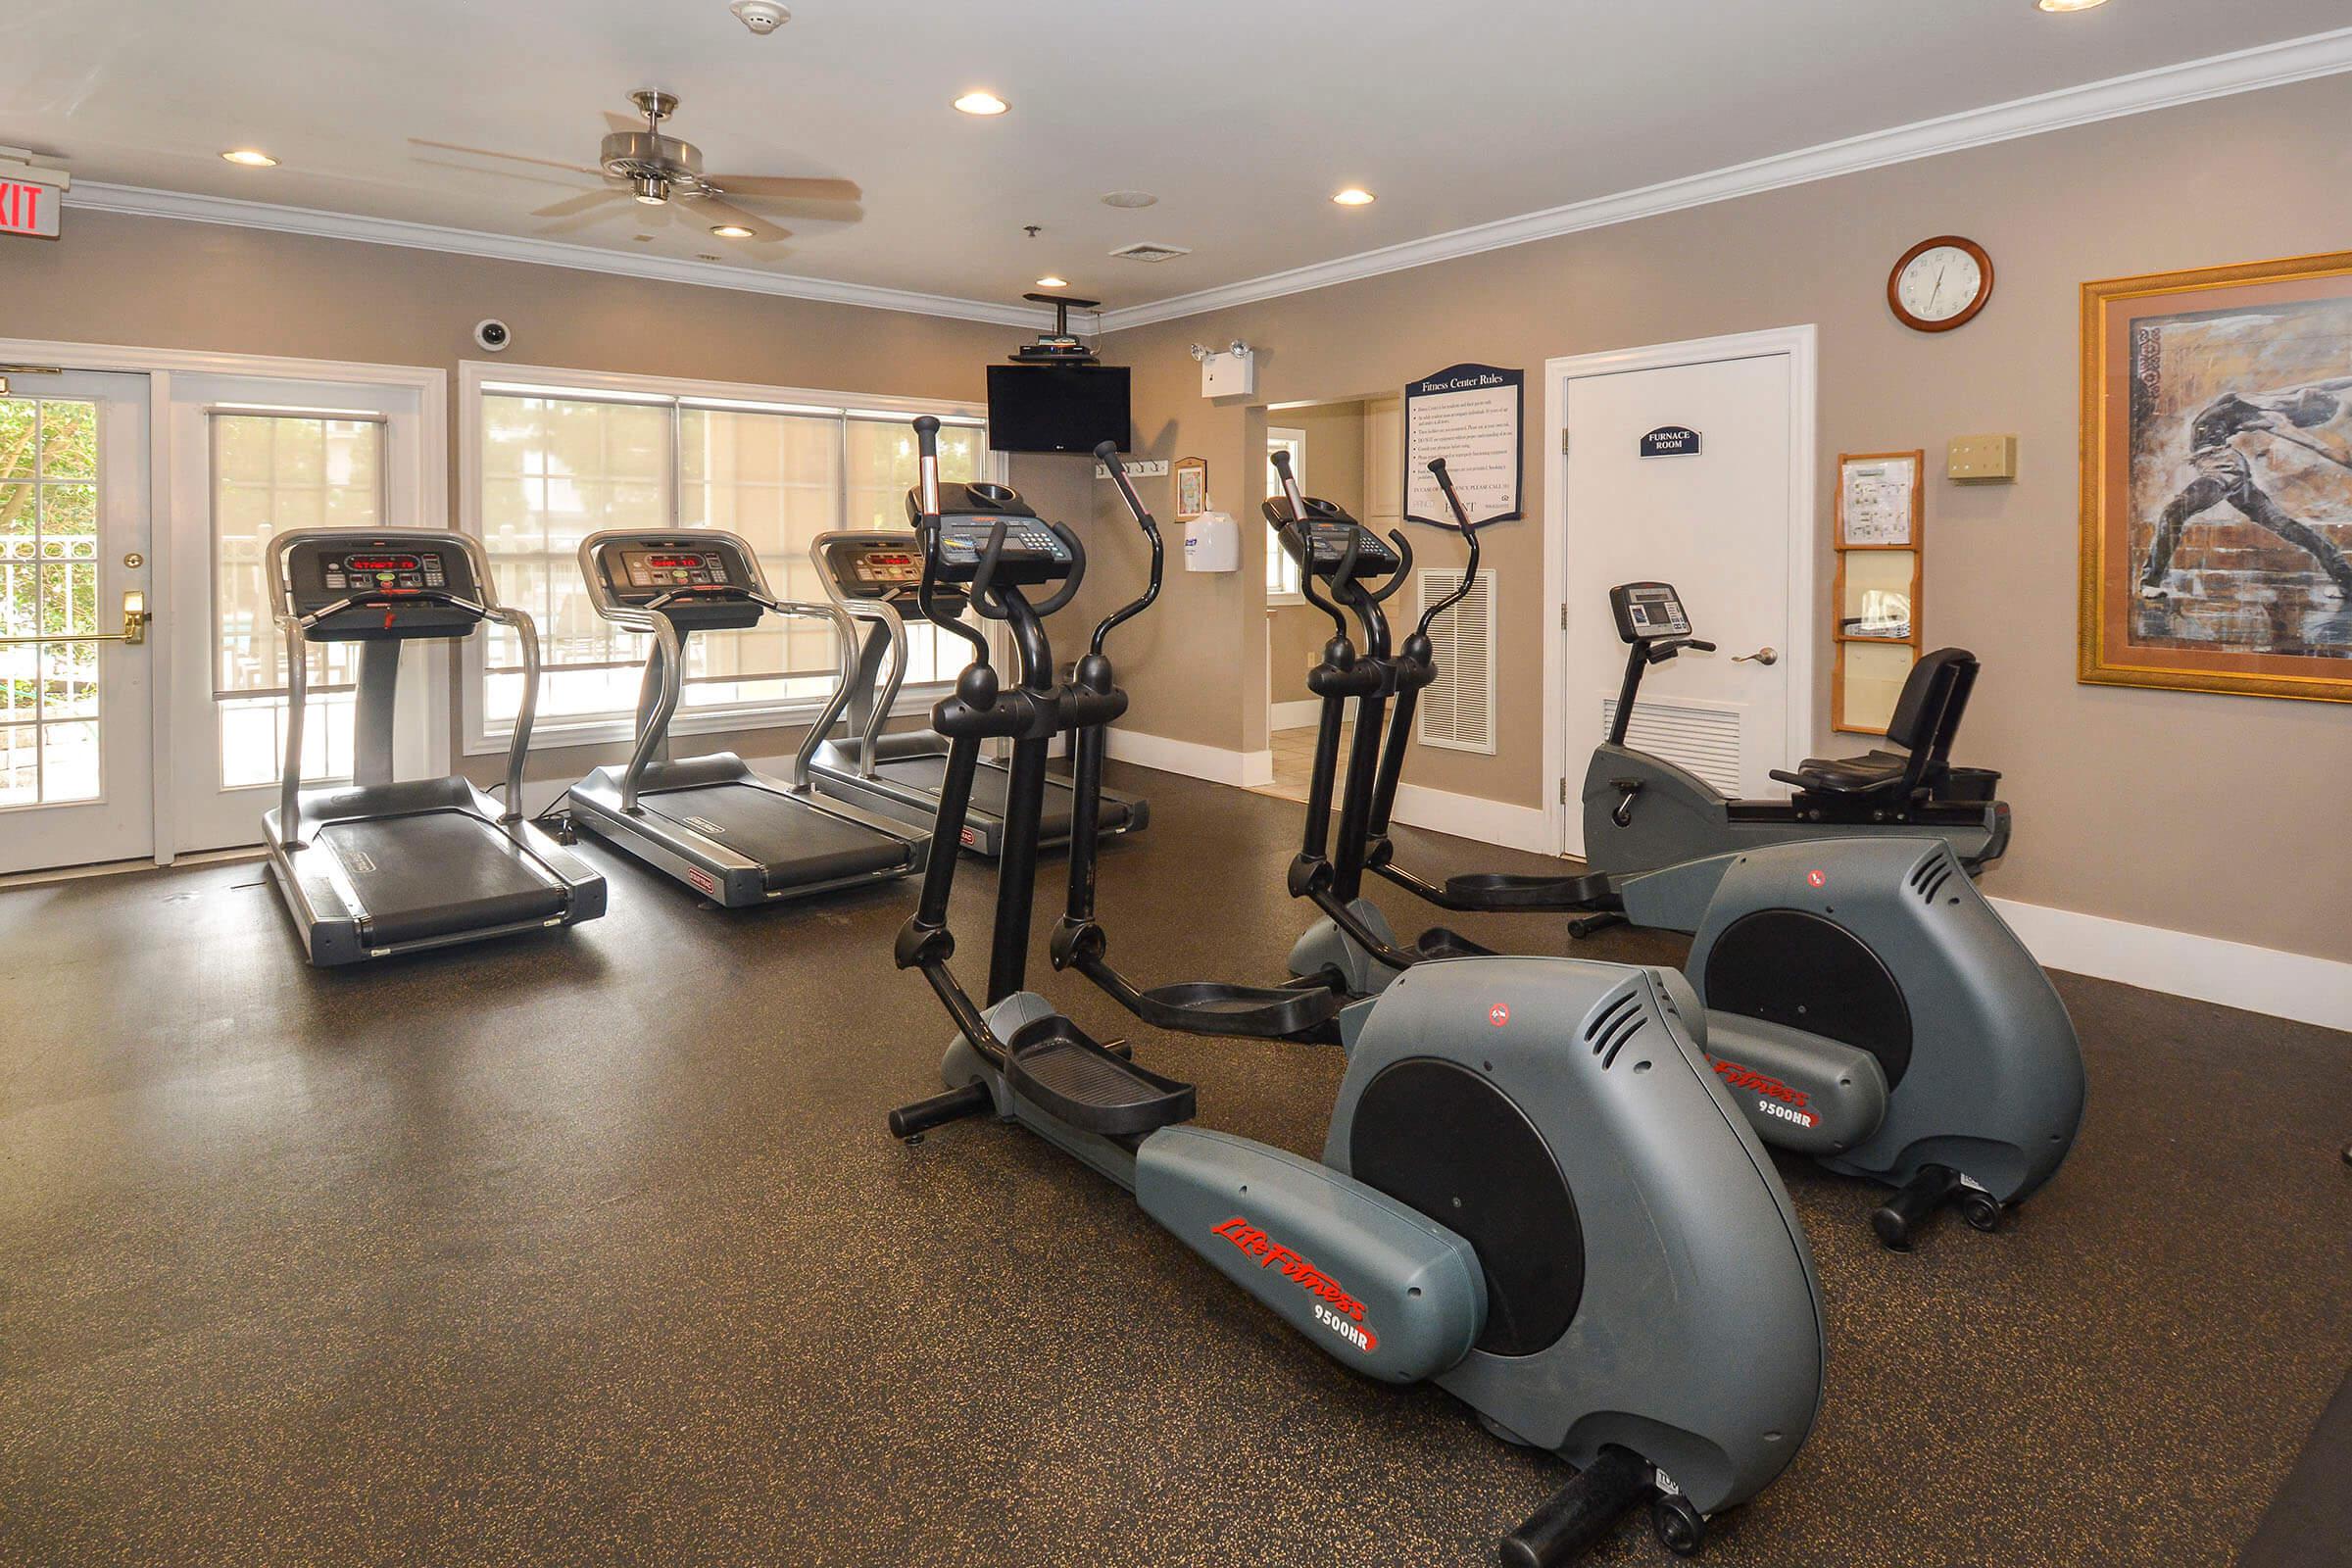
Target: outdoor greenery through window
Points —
{"points": [[49, 734], [274, 472], [557, 467]]}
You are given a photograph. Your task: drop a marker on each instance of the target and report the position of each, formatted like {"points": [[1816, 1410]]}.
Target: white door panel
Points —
{"points": [[1717, 525]]}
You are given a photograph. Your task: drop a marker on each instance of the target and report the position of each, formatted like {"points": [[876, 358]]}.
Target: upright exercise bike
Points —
{"points": [[1534, 1191], [1865, 1004]]}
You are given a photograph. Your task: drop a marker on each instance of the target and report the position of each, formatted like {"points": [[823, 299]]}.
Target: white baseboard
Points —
{"points": [[2182, 964], [1473, 817], [1242, 769], [1305, 714]]}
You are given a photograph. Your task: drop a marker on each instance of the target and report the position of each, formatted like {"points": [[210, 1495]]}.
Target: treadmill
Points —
{"points": [[871, 577], [738, 837], [378, 868]]}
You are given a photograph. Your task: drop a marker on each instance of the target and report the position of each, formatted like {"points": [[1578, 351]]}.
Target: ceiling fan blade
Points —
{"points": [[513, 158], [787, 189], [587, 200], [763, 232]]}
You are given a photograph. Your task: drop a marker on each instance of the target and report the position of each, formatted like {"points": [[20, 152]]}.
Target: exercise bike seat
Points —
{"points": [[1926, 717]]}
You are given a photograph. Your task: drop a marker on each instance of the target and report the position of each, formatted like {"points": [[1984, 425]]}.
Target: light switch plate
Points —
{"points": [[1982, 460]]}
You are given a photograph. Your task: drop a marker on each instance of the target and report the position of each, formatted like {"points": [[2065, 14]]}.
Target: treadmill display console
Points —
{"points": [[383, 579], [1647, 612], [647, 570], [367, 570]]}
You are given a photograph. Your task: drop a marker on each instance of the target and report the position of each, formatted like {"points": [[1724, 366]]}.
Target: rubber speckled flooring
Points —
{"points": [[592, 1249]]}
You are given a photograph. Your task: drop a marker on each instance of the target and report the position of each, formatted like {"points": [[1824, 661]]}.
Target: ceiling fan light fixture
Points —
{"points": [[651, 189], [249, 158], [982, 103], [730, 231]]}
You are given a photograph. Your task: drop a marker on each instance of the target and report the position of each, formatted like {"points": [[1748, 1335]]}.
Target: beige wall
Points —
{"points": [[1335, 470], [156, 283], [2228, 816]]}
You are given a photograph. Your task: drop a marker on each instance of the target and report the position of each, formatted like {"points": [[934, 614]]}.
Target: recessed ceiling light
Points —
{"points": [[1052, 282], [1354, 196], [2069, 5], [731, 231], [1130, 198], [250, 158], [982, 103]]}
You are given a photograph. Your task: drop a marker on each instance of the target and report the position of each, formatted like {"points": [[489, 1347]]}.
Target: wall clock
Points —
{"points": [[1940, 284]]}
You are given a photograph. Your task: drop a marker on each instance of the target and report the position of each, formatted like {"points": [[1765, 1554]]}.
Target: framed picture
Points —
{"points": [[2217, 480], [1191, 487]]}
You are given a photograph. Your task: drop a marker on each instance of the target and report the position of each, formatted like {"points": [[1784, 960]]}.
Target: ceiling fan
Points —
{"points": [[642, 166]]}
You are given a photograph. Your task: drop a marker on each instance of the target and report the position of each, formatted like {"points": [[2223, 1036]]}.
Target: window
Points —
{"points": [[274, 471], [48, 588], [557, 464], [1282, 572]]}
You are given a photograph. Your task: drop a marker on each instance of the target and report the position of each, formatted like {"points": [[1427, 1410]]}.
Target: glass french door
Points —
{"points": [[76, 714]]}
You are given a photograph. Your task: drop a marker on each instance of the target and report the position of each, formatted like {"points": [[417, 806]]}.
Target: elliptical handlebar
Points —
{"points": [[1109, 455], [926, 479], [1469, 532]]}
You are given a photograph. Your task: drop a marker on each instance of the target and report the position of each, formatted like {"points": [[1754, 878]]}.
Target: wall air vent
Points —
{"points": [[1458, 709], [1149, 252]]}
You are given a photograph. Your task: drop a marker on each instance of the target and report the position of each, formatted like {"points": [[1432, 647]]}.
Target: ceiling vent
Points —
{"points": [[1148, 252]]}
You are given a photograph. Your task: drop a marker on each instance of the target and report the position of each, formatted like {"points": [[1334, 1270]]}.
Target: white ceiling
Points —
{"points": [[1242, 115]]}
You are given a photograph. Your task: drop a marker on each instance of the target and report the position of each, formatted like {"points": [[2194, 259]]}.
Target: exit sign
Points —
{"points": [[28, 209]]}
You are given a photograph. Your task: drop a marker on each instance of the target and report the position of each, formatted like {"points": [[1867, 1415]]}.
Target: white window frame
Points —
{"points": [[1294, 439], [475, 378]]}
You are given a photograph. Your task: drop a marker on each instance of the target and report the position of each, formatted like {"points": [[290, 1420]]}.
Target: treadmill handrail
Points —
{"points": [[295, 629], [887, 614]]}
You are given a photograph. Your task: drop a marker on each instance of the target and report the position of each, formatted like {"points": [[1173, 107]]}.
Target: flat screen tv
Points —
{"points": [[1057, 408]]}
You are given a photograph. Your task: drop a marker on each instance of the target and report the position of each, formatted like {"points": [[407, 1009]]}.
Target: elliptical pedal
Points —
{"points": [[1055, 1065]]}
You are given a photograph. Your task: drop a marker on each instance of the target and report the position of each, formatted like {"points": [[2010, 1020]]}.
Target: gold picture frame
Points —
{"points": [[1190, 476], [2217, 480]]}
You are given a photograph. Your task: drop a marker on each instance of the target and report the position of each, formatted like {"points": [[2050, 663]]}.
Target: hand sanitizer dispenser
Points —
{"points": [[1212, 543]]}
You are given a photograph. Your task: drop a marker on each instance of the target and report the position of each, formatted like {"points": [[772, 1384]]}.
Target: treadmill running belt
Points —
{"points": [[439, 873], [796, 844], [989, 788]]}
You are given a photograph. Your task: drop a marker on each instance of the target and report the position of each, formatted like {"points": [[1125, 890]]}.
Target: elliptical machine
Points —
{"points": [[1617, 1276], [1865, 1004]]}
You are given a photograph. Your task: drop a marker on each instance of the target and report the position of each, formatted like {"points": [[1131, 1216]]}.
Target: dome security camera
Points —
{"points": [[493, 334], [762, 17]]}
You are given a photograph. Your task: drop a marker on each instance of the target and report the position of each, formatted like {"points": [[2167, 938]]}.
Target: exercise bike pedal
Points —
{"points": [[1898, 1220], [1053, 1064], [1583, 1510]]}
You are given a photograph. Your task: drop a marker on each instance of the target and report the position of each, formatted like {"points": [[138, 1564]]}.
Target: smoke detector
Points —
{"points": [[762, 17], [1130, 199], [1148, 252]]}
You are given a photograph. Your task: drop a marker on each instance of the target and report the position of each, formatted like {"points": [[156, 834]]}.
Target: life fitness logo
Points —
{"points": [[1773, 1096], [1499, 1015], [1335, 1309]]}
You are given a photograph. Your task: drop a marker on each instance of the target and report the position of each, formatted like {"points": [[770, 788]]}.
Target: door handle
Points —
{"points": [[135, 616], [1762, 656]]}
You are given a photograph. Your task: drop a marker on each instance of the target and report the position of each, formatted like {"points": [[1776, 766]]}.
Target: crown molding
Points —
{"points": [[2167, 86], [138, 201]]}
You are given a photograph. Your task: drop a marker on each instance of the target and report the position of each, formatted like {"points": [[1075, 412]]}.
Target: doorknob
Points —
{"points": [[1762, 656], [135, 616]]}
